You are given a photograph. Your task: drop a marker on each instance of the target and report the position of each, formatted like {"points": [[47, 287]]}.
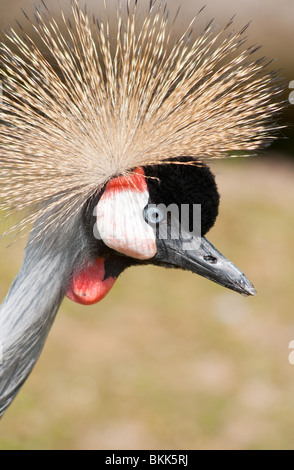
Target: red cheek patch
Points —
{"points": [[88, 285], [135, 181], [120, 218]]}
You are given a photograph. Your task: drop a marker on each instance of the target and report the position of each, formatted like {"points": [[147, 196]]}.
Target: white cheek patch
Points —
{"points": [[120, 221]]}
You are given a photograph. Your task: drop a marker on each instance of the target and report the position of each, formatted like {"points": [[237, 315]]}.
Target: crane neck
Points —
{"points": [[29, 309]]}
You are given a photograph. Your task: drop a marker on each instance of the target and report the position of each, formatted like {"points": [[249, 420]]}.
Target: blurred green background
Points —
{"points": [[170, 360]]}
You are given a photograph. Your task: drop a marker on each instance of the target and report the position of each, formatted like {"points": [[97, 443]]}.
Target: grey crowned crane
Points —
{"points": [[99, 132]]}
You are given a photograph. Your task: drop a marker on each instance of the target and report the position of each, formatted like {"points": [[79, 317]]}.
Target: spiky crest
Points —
{"points": [[87, 104]]}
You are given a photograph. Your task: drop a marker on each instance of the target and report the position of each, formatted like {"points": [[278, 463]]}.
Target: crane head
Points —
{"points": [[153, 215]]}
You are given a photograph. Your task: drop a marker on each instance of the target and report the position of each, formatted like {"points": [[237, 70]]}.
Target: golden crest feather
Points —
{"points": [[87, 104]]}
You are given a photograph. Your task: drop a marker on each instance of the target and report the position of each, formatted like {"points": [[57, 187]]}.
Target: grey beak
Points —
{"points": [[201, 257]]}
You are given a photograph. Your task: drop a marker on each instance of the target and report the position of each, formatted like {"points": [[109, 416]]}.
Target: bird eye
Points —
{"points": [[153, 215]]}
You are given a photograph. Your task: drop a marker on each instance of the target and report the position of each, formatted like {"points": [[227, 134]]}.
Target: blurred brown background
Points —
{"points": [[169, 360]]}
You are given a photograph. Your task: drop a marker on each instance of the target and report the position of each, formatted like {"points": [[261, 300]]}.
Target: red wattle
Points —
{"points": [[88, 286]]}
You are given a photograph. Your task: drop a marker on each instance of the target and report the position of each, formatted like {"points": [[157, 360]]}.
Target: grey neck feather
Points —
{"points": [[28, 311]]}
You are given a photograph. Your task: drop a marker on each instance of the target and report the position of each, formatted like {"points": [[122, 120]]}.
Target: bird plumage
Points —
{"points": [[95, 125], [28, 312], [78, 109]]}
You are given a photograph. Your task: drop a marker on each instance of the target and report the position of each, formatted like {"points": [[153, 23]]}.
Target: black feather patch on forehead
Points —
{"points": [[185, 184]]}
